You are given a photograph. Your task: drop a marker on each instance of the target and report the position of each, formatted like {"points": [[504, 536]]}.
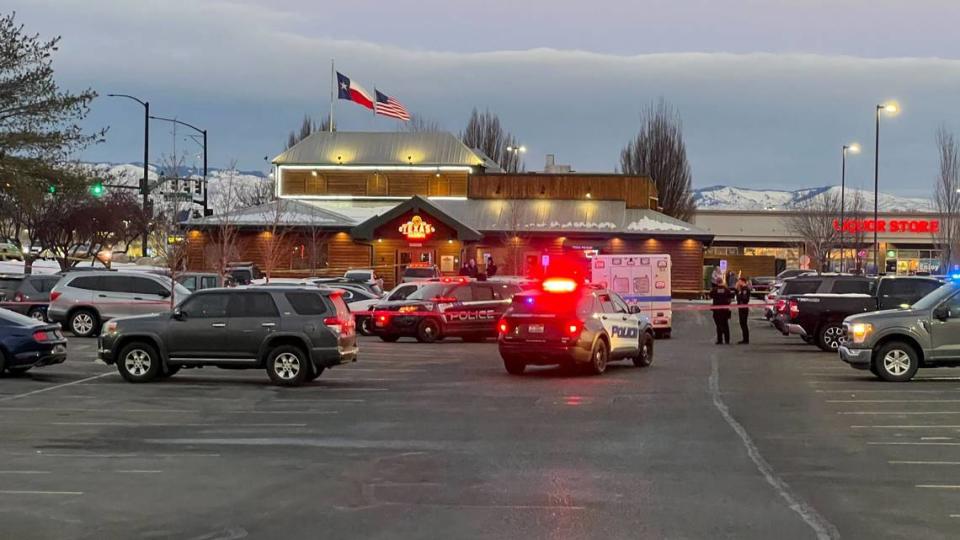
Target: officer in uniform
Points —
{"points": [[721, 296], [743, 298]]}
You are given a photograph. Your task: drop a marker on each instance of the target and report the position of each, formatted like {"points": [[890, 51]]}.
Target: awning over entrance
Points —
{"points": [[416, 205]]}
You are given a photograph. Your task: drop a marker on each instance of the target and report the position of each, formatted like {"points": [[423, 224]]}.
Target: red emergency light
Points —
{"points": [[559, 285]]}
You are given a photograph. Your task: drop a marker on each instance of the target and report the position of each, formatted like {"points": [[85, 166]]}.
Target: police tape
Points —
{"points": [[487, 313]]}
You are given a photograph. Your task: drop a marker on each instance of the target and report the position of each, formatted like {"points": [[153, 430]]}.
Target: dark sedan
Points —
{"points": [[27, 343]]}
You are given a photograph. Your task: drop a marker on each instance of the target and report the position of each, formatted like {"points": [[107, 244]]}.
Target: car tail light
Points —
{"points": [[381, 319], [339, 325], [44, 335], [781, 306], [573, 328], [54, 295], [503, 327], [18, 297], [794, 309]]}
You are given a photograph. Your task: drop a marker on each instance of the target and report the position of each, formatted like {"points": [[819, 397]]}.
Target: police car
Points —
{"points": [[449, 307], [573, 325]]}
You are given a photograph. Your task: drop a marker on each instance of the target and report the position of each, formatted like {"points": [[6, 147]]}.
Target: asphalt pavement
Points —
{"points": [[771, 439]]}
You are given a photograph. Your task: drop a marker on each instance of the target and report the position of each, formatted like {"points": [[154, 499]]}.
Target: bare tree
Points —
{"points": [[515, 238], [166, 228], [658, 151], [256, 193], [275, 248], [813, 222], [223, 249], [308, 127], [484, 132], [946, 199], [421, 124], [856, 211]]}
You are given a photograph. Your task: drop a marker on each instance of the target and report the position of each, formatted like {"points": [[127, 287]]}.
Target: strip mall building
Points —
{"points": [[387, 200]]}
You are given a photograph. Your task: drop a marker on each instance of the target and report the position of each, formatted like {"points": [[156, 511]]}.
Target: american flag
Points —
{"points": [[387, 106]]}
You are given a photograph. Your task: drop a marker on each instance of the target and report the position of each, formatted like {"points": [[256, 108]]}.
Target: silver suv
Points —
{"points": [[82, 301]]}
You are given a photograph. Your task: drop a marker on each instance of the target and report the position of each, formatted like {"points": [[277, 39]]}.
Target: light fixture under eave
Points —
{"points": [[313, 173], [589, 193]]}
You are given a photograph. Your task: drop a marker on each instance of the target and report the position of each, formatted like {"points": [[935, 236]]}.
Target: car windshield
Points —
{"points": [[420, 272], [431, 291], [938, 295]]}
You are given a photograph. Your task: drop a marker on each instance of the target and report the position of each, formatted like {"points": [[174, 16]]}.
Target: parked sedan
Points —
{"points": [[26, 343], [27, 295]]}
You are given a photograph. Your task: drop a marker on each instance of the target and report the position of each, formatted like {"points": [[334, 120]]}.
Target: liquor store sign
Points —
{"points": [[914, 226]]}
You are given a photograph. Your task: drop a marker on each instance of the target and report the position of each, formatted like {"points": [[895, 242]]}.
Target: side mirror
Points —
{"points": [[634, 308], [164, 294], [942, 313], [178, 315]]}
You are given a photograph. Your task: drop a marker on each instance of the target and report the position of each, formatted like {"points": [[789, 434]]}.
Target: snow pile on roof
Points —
{"points": [[647, 224]]}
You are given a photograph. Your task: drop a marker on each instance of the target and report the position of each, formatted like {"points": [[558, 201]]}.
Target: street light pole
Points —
{"points": [[854, 148], [892, 109], [516, 151], [204, 133], [145, 181]]}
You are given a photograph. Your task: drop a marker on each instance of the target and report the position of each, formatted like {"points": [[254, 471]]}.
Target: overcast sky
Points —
{"points": [[769, 90]]}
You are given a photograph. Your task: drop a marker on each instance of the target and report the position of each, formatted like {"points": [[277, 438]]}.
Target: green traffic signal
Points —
{"points": [[97, 189], [52, 188]]}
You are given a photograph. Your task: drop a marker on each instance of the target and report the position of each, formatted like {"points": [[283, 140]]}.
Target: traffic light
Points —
{"points": [[97, 189], [52, 189]]}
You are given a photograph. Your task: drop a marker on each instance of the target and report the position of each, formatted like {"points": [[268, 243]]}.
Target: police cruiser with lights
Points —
{"points": [[450, 307], [573, 325]]}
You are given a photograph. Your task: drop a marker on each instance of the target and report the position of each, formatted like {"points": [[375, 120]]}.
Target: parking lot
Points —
{"points": [[437, 441]]}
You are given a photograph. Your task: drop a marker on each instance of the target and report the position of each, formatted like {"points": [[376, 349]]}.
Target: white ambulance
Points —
{"points": [[643, 280]]}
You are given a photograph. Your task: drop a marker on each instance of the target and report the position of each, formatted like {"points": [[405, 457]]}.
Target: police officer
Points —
{"points": [[721, 296], [491, 267], [743, 298]]}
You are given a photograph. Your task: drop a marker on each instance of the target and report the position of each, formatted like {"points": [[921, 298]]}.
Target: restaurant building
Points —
{"points": [[388, 200]]}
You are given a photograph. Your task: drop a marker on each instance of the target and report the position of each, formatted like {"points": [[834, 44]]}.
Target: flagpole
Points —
{"points": [[333, 86]]}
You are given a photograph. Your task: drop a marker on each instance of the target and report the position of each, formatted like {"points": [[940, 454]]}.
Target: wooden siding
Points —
{"points": [[636, 191], [370, 184]]}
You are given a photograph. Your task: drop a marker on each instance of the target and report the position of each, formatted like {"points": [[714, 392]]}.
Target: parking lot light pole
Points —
{"points": [[891, 108], [853, 148], [144, 182], [204, 133]]}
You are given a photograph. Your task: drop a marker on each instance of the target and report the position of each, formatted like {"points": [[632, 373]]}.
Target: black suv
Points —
{"points": [[27, 295], [293, 332], [461, 307]]}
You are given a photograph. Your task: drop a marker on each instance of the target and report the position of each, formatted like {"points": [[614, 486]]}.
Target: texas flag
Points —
{"points": [[352, 91]]}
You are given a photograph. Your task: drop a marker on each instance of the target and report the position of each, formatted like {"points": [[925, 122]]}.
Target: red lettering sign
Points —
{"points": [[911, 226], [417, 229]]}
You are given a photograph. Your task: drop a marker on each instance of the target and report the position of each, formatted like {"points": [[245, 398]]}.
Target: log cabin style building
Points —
{"points": [[388, 200]]}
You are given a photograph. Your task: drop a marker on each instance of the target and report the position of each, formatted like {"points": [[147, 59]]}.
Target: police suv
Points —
{"points": [[450, 307], [573, 325]]}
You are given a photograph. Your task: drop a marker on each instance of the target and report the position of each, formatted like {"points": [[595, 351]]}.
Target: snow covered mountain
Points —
{"points": [[734, 198]]}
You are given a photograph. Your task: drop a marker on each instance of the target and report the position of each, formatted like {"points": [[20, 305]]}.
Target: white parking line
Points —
{"points": [[113, 456], [896, 412], [907, 443], [898, 391], [917, 426], [23, 492], [893, 401], [938, 486], [936, 438], [50, 388], [25, 472], [924, 462], [137, 472], [141, 424]]}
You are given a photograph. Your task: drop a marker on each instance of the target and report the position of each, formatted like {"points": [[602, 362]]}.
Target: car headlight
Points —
{"points": [[860, 331], [110, 327]]}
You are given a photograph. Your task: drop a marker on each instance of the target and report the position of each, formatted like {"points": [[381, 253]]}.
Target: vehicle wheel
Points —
{"points": [[830, 337], [389, 338], [896, 362], [599, 357], [428, 331], [38, 313], [644, 356], [288, 366], [139, 362], [365, 327], [514, 366], [84, 323], [169, 370], [315, 372]]}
